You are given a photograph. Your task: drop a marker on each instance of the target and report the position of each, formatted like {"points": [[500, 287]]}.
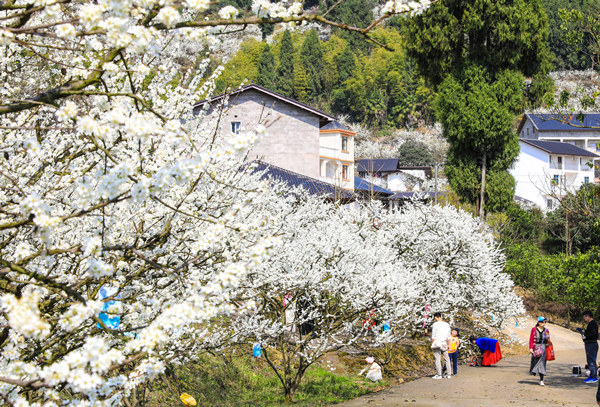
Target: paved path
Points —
{"points": [[506, 384]]}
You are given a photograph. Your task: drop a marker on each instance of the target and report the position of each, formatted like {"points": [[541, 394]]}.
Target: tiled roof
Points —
{"points": [[378, 165], [276, 95], [556, 147], [293, 179], [523, 200], [363, 185], [563, 122], [416, 194], [334, 125]]}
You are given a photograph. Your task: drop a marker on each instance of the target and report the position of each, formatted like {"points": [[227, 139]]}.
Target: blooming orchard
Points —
{"points": [[127, 223], [337, 272]]}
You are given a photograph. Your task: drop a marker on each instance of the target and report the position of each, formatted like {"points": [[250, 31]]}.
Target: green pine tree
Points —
{"points": [[301, 87], [266, 69], [311, 57], [285, 70], [346, 64]]}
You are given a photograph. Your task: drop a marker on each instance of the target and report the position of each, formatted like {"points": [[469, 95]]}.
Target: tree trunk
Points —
{"points": [[482, 192], [289, 394], [435, 197], [568, 235]]}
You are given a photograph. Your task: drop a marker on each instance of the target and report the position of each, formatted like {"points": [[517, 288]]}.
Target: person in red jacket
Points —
{"points": [[539, 338]]}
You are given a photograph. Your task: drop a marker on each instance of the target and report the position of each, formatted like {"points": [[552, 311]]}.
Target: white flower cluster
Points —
{"points": [[121, 205], [411, 7], [24, 314], [78, 313], [264, 8], [67, 111]]}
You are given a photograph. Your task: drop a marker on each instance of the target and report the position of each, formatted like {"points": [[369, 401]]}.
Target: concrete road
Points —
{"points": [[506, 384]]}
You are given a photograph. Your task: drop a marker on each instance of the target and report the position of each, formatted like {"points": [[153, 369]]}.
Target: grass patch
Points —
{"points": [[244, 381]]}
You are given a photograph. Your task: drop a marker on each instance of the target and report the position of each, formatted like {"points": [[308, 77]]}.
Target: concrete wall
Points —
{"points": [[292, 136], [528, 131]]}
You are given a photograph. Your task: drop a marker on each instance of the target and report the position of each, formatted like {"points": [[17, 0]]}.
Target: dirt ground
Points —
{"points": [[507, 383]]}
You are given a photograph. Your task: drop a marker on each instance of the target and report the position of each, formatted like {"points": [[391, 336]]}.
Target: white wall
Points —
{"points": [[533, 175]]}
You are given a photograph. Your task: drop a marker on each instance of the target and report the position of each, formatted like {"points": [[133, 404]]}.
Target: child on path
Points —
{"points": [[453, 350]]}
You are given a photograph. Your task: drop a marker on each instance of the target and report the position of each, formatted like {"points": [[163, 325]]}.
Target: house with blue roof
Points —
{"points": [[545, 171], [565, 128], [299, 138], [389, 174]]}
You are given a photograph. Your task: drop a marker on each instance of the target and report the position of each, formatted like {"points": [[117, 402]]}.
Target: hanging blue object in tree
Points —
{"points": [[256, 351], [110, 322], [386, 326]]}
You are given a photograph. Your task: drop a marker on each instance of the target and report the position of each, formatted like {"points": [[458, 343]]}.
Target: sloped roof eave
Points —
{"points": [[276, 95]]}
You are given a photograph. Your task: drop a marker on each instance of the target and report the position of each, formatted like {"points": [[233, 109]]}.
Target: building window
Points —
{"points": [[236, 127], [560, 163], [345, 144], [527, 131], [550, 159], [549, 204], [586, 180], [555, 179], [345, 172]]}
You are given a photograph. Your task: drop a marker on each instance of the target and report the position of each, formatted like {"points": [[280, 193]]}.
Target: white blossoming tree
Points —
{"points": [[125, 221], [364, 278]]}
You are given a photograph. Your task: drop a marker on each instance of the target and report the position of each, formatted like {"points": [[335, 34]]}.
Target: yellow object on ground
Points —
{"points": [[187, 399]]}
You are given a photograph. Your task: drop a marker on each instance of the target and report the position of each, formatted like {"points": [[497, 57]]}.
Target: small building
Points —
{"points": [[546, 170], [388, 173], [299, 138]]}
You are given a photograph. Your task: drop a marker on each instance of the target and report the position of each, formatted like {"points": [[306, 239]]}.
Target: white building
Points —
{"points": [[546, 170], [564, 128], [336, 155], [387, 173]]}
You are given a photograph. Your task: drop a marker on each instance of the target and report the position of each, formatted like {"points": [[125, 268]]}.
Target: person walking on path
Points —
{"points": [[539, 338], [440, 341], [590, 341]]}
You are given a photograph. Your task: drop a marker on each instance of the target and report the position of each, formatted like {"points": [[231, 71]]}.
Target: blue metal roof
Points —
{"points": [[556, 147], [416, 194], [378, 165], [334, 125], [363, 185], [565, 122], [293, 179]]}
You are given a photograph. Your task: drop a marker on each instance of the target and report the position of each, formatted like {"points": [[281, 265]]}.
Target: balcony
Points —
{"points": [[330, 153]]}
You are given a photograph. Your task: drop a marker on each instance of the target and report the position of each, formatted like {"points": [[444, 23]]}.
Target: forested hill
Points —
{"points": [[343, 73]]}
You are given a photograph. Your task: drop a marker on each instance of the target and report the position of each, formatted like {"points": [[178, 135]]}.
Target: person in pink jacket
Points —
{"points": [[539, 338]]}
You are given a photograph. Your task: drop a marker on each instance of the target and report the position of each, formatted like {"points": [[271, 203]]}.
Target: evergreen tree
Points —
{"points": [[346, 64], [355, 13], [301, 86], [414, 152], [566, 57], [266, 68], [285, 70], [493, 34], [471, 49], [477, 117], [311, 57]]}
